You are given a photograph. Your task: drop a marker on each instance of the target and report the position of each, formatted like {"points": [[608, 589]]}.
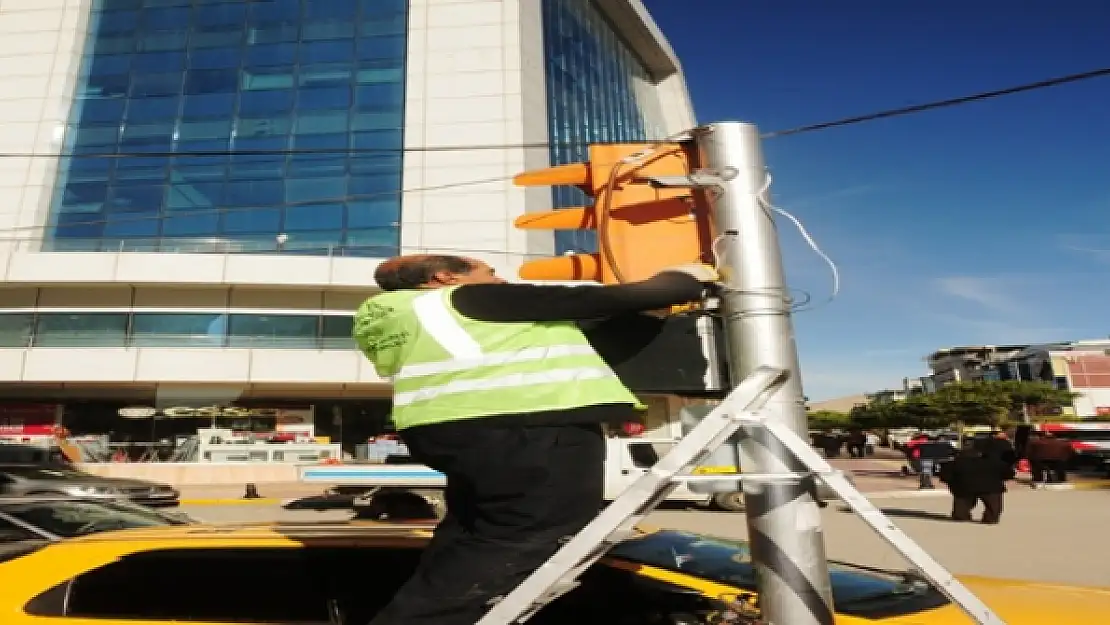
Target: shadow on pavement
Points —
{"points": [[907, 513], [321, 502]]}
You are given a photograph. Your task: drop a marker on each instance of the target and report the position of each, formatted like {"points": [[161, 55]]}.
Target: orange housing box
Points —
{"points": [[642, 229]]}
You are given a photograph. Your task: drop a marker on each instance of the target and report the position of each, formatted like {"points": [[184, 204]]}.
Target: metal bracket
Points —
{"points": [[700, 179]]}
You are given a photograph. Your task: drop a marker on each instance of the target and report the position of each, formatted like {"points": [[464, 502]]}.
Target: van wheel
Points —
{"points": [[729, 502]]}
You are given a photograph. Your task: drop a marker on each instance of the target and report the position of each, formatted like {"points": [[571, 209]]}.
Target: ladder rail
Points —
{"points": [[738, 412], [617, 521]]}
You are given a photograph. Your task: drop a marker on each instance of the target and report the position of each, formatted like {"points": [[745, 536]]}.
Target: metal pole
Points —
{"points": [[784, 522]]}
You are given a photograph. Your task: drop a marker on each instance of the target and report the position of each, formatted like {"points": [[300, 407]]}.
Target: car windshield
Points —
{"points": [[729, 562], [67, 519], [53, 472]]}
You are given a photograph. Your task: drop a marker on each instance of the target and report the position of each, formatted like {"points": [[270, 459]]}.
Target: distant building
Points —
{"points": [[1082, 367], [965, 363]]}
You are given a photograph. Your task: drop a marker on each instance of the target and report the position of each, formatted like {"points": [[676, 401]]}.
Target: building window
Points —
{"points": [[179, 330], [81, 330], [16, 330], [233, 123], [592, 79], [176, 330], [273, 331], [336, 332]]}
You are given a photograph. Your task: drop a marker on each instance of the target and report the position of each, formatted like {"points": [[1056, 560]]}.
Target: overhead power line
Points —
{"points": [[928, 106]]}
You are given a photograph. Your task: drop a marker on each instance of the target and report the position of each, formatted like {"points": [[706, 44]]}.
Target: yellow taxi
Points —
{"points": [[343, 573]]}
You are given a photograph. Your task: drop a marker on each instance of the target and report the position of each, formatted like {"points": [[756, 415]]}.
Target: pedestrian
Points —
{"points": [[1055, 454], [998, 446], [831, 443], [928, 456], [856, 443], [974, 477], [872, 443], [496, 387], [1035, 453]]}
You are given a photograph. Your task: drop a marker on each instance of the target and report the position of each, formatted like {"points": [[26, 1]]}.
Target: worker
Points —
{"points": [[496, 387]]}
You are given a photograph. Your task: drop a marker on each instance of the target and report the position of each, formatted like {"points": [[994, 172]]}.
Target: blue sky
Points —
{"points": [[984, 223]]}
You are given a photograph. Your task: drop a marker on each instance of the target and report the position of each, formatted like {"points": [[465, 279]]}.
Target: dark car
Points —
{"points": [[18, 453], [55, 518], [58, 479]]}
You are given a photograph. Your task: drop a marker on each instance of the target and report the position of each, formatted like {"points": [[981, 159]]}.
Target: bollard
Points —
{"points": [[251, 492]]}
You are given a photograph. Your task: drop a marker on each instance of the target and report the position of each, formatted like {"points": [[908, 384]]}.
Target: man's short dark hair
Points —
{"points": [[411, 272]]}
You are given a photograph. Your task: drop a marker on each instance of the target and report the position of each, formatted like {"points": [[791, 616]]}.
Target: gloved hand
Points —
{"points": [[699, 271]]}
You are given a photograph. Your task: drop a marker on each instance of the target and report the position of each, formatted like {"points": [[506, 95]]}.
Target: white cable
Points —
{"points": [[806, 236]]}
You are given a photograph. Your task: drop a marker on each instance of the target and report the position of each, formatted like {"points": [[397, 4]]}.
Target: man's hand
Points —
{"points": [[699, 271]]}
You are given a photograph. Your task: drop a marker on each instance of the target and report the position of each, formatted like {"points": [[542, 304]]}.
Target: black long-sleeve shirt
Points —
{"points": [[588, 305]]}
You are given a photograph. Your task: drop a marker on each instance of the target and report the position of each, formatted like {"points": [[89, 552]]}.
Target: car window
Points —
{"points": [[77, 518], [729, 562], [306, 585]]}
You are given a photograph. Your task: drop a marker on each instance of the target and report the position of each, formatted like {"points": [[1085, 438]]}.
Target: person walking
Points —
{"points": [[928, 456], [998, 446], [974, 477], [1055, 453], [496, 386]]}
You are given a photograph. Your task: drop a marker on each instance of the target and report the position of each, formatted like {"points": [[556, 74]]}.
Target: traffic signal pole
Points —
{"points": [[784, 522]]}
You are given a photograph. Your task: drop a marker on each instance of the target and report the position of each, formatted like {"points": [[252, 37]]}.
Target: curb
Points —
{"points": [[1074, 486], [264, 501]]}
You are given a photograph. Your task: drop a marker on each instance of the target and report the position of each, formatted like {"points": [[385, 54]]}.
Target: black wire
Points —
{"points": [[919, 108], [284, 151]]}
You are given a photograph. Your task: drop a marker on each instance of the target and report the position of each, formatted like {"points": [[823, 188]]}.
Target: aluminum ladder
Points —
{"points": [[739, 410]]}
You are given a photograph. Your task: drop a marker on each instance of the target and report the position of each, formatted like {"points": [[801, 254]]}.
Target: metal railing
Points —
{"points": [[209, 246], [93, 339]]}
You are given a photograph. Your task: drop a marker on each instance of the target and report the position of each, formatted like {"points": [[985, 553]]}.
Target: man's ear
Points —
{"points": [[444, 277]]}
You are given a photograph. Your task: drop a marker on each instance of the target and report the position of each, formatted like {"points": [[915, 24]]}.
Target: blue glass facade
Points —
{"points": [[591, 96], [236, 126]]}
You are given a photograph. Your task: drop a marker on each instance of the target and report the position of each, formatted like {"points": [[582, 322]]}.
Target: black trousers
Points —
{"points": [[992, 507], [513, 494]]}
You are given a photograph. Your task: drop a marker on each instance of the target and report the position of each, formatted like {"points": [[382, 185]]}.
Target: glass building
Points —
{"points": [[198, 192], [592, 77], [215, 125]]}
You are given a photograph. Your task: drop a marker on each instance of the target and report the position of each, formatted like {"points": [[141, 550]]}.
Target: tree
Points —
{"points": [[973, 403], [828, 419], [1035, 398]]}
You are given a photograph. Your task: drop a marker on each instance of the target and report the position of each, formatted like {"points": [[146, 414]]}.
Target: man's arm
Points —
{"points": [[527, 302]]}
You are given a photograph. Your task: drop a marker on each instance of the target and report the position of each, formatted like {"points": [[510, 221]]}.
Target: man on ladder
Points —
{"points": [[497, 388]]}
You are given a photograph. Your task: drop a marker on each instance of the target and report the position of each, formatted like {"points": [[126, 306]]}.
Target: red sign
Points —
{"points": [[37, 429]]}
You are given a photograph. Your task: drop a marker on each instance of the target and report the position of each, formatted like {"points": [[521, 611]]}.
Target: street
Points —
{"points": [[1044, 536]]}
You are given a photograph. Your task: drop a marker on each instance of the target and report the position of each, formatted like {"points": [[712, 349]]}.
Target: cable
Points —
{"points": [[316, 151], [919, 108], [219, 211], [718, 260]]}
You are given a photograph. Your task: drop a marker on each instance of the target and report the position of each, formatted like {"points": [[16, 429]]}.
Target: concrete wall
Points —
{"points": [[470, 62], [197, 473], [41, 43], [194, 366]]}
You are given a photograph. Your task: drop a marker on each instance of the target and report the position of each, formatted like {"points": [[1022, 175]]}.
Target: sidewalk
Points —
{"points": [[220, 494]]}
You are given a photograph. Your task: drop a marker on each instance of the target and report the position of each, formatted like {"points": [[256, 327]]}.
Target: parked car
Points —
{"points": [[57, 479], [55, 518], [315, 574], [18, 453]]}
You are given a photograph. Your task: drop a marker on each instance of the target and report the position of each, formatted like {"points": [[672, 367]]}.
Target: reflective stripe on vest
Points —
{"points": [[466, 354]]}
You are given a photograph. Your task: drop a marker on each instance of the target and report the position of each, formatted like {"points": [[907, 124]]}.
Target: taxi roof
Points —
{"points": [[320, 530]]}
